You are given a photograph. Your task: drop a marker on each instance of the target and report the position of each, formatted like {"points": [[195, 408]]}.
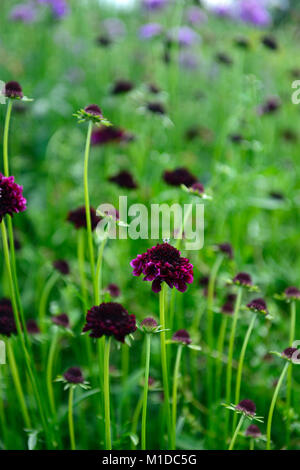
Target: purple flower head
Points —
{"points": [[197, 188], [226, 249], [11, 197], [270, 42], [254, 12], [114, 28], [163, 263], [184, 36], [7, 321], [292, 293], [61, 320], [182, 336], [13, 90], [258, 305], [196, 16], [109, 319], [156, 108], [150, 30], [124, 179], [74, 375], [242, 279], [228, 308], [188, 60], [59, 7], [78, 218], [253, 431], [270, 106], [106, 135], [122, 86], [94, 110], [153, 5], [149, 325], [32, 327], [62, 266], [25, 12], [114, 290], [179, 176], [247, 406], [288, 353]]}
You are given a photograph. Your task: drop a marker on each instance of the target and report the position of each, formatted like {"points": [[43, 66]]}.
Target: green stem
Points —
{"points": [[135, 417], [80, 257], [230, 352], [70, 418], [49, 373], [220, 349], [106, 394], [87, 205], [5, 138], [232, 442], [164, 358], [98, 274], [273, 403], [146, 386], [44, 299], [290, 375], [251, 447], [174, 396], [17, 382], [240, 365], [2, 412]]}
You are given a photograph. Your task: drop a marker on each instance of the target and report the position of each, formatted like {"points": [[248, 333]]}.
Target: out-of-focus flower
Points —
{"points": [[242, 279], [258, 305], [226, 249], [62, 266], [25, 12], [188, 60], [292, 293], [122, 86], [247, 407], [149, 325], [153, 5], [61, 320], [254, 12], [32, 327], [78, 218], [163, 263], [13, 90], [182, 336], [179, 176], [156, 108], [196, 15], [114, 28], [105, 135], [7, 321], [73, 375], [11, 197], [253, 431], [270, 42], [150, 30], [184, 36], [227, 308], [270, 106], [59, 7], [109, 319], [291, 353], [124, 179], [114, 290], [224, 58]]}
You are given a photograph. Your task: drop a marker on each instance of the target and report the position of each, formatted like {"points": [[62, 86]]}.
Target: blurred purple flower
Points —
{"points": [[59, 7], [255, 12], [196, 15], [114, 28], [184, 35], [188, 60], [25, 12], [154, 4], [150, 30]]}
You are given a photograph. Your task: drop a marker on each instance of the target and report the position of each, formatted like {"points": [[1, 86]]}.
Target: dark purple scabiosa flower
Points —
{"points": [[62, 266], [32, 327], [109, 319], [270, 42], [226, 249], [270, 106], [224, 58], [11, 197], [106, 135], [154, 5], [156, 107], [122, 86], [253, 431], [149, 325], [7, 321], [289, 135], [197, 188], [103, 40], [163, 263], [246, 406], [231, 297], [227, 308], [242, 279], [13, 90], [258, 305], [182, 336], [124, 179], [292, 293], [236, 138], [179, 176], [93, 110], [150, 30], [73, 375], [61, 320], [24, 12], [289, 353], [92, 113], [59, 7], [113, 290], [78, 218]]}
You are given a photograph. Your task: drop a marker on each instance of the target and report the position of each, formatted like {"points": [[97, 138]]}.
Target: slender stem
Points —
{"points": [[240, 365], [44, 298], [2, 412], [164, 357], [49, 373], [290, 375], [251, 447], [146, 386], [232, 442], [98, 274], [17, 382], [87, 205], [273, 403], [106, 394], [70, 418], [220, 349], [5, 138], [174, 396], [135, 417], [230, 352], [80, 256]]}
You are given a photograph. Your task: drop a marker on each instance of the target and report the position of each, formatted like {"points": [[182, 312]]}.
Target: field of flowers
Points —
{"points": [[142, 342]]}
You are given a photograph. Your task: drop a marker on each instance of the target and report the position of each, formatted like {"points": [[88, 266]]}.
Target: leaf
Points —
{"points": [[32, 440]]}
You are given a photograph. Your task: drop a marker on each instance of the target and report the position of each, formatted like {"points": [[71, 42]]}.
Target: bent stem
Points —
{"points": [[87, 205], [164, 358], [240, 365], [230, 352], [145, 395], [232, 442], [273, 403], [70, 418], [106, 394], [49, 373], [174, 396], [290, 375]]}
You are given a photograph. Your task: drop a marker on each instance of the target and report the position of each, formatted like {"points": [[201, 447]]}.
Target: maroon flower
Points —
{"points": [[78, 217], [270, 42], [7, 321], [149, 324], [94, 110], [258, 305], [288, 353], [74, 375], [228, 308], [124, 179], [122, 86], [11, 197], [178, 177], [270, 106], [13, 90], [243, 279], [61, 320], [182, 336], [62, 266], [32, 327], [253, 431], [292, 293], [105, 135], [231, 297], [247, 406], [163, 263], [226, 248], [156, 108], [109, 319], [197, 188], [114, 290]]}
